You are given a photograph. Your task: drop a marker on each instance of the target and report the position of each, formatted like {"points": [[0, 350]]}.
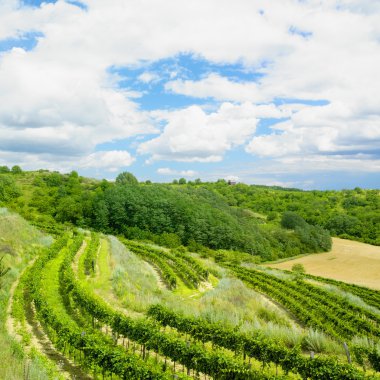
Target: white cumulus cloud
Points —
{"points": [[172, 172], [59, 100], [192, 135], [111, 160]]}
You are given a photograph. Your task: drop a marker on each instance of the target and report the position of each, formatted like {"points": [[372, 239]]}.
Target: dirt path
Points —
{"points": [[39, 340], [75, 262], [348, 261], [43, 344], [10, 322], [160, 282]]}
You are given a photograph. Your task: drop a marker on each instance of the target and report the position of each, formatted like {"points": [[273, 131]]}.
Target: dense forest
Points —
{"points": [[350, 214], [268, 222]]}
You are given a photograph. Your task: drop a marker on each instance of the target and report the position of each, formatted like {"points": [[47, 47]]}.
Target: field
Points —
{"points": [[94, 306], [348, 261]]}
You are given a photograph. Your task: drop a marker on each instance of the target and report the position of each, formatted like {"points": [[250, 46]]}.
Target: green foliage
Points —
{"points": [[256, 346], [189, 213], [99, 350], [199, 215], [353, 214], [8, 189], [150, 336], [292, 220], [126, 178], [4, 169], [155, 257], [314, 306], [298, 268], [16, 169], [344, 224], [168, 239], [313, 238], [90, 254], [369, 296]]}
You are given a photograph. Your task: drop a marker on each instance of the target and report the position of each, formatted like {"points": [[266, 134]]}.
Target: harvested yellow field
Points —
{"points": [[348, 261]]}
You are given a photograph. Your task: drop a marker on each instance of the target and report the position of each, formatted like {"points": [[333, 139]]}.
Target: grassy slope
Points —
{"points": [[348, 261], [18, 242], [226, 301]]}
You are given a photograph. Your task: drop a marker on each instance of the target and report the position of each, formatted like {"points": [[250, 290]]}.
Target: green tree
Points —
{"points": [[271, 216], [298, 268], [299, 271], [182, 181], [8, 188], [291, 220], [4, 169], [126, 178], [100, 215], [69, 209], [16, 169], [344, 224]]}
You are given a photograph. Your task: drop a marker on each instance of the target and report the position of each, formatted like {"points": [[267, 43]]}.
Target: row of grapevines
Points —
{"points": [[148, 334], [311, 313], [258, 347], [167, 272], [183, 270], [18, 307], [193, 263], [51, 228], [335, 300], [97, 351], [90, 254], [189, 276], [370, 296], [321, 312], [371, 354]]}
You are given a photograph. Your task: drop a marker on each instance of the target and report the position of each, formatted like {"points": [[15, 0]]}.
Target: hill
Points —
{"points": [[19, 244], [120, 308], [172, 215], [91, 306], [349, 214]]}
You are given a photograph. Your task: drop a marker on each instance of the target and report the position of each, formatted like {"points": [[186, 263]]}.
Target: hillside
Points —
{"points": [[119, 308], [170, 215], [350, 214], [92, 306], [19, 244]]}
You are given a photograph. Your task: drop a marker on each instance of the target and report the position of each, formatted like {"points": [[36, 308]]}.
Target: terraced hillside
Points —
{"points": [[95, 306]]}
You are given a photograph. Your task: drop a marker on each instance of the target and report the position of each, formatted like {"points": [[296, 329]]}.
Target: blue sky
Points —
{"points": [[264, 93]]}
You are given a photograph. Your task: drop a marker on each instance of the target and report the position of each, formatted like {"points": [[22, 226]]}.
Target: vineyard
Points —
{"points": [[86, 321]]}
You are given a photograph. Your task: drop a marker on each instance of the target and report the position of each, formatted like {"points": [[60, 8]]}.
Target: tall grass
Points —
{"points": [[229, 303], [133, 280], [351, 298]]}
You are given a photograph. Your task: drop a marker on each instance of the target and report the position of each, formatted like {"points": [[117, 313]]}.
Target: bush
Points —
{"points": [[298, 268], [169, 240], [126, 178], [291, 220], [16, 169]]}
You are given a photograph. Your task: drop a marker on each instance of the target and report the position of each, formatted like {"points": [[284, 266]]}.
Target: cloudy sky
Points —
{"points": [[267, 91]]}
